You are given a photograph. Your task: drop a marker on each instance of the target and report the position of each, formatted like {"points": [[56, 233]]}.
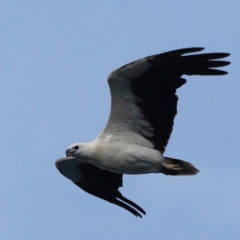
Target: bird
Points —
{"points": [[143, 108]]}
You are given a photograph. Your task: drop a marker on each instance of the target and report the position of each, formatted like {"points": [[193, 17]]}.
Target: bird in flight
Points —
{"points": [[143, 108]]}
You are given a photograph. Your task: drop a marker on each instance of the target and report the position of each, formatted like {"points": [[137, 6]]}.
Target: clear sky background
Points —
{"points": [[55, 57]]}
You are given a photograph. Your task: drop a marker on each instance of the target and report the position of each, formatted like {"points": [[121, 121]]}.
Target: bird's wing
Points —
{"points": [[144, 100], [100, 183]]}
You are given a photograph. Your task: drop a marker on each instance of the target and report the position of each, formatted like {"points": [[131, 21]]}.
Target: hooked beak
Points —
{"points": [[69, 152]]}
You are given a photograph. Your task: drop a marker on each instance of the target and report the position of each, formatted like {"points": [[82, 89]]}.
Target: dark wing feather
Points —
{"points": [[100, 183], [156, 88], [105, 184]]}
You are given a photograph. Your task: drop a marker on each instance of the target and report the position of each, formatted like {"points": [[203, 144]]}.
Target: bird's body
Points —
{"points": [[109, 155], [143, 108]]}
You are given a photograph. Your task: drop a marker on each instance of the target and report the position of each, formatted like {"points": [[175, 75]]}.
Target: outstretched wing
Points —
{"points": [[143, 92], [98, 182]]}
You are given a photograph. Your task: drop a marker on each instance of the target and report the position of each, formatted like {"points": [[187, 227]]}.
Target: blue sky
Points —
{"points": [[54, 62]]}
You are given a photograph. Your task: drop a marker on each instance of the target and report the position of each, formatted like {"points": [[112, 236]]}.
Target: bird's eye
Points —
{"points": [[76, 147]]}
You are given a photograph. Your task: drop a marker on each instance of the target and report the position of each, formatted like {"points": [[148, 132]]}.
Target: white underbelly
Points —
{"points": [[129, 159]]}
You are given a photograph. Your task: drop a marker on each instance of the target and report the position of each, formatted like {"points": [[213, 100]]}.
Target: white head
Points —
{"points": [[77, 150]]}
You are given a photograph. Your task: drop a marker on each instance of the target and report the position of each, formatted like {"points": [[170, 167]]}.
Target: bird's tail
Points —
{"points": [[172, 166]]}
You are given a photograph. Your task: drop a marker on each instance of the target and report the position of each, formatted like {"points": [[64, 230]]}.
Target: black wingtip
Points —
{"points": [[131, 203], [225, 55], [127, 207]]}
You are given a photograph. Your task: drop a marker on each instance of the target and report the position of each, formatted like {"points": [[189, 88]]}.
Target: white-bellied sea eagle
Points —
{"points": [[144, 104]]}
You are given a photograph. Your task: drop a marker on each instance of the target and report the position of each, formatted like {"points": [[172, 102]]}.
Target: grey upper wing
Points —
{"points": [[143, 92]]}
